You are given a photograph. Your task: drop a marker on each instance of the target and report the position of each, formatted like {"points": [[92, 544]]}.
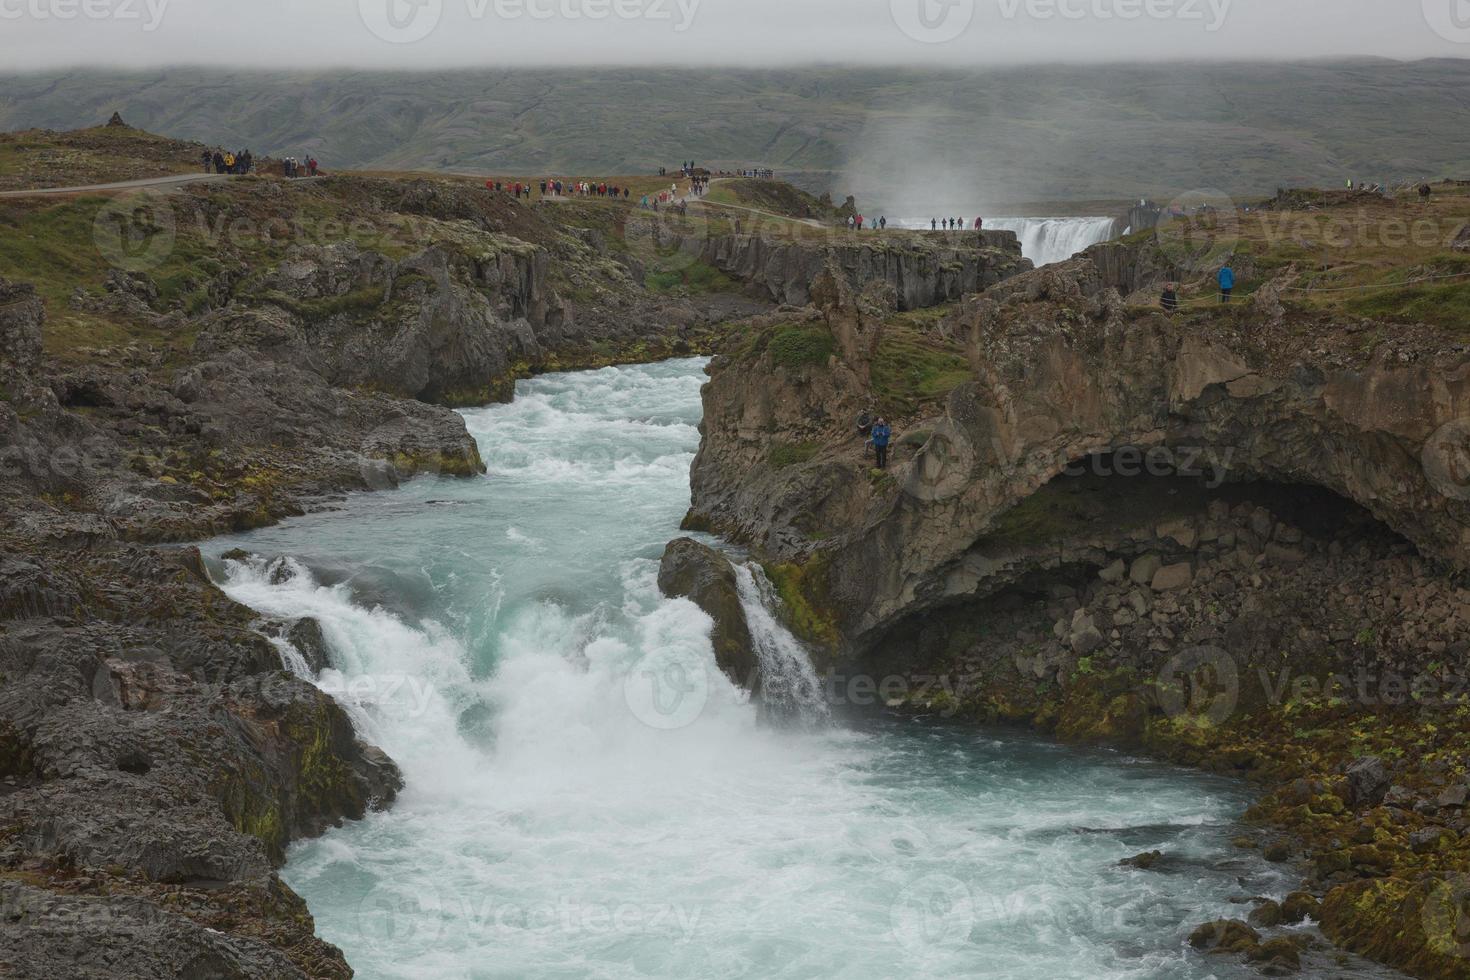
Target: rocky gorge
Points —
{"points": [[1234, 537], [178, 366]]}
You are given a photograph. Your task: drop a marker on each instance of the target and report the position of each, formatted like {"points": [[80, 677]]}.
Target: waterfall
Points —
{"points": [[789, 687], [1048, 240], [588, 795], [1043, 240]]}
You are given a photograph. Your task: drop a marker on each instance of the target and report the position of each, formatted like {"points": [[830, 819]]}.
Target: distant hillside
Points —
{"points": [[905, 136]]}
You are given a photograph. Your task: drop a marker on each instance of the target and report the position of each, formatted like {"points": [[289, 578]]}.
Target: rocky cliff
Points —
{"points": [[921, 271], [218, 359], [1198, 533]]}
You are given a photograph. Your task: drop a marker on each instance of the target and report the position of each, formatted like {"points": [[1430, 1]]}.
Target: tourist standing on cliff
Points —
{"points": [[1227, 282], [1170, 300], [880, 437]]}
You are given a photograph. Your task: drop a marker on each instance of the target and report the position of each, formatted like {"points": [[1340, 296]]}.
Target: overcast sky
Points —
{"points": [[306, 34]]}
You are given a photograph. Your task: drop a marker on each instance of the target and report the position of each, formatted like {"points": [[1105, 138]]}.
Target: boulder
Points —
{"points": [[1265, 915], [1143, 570], [1144, 861], [1276, 957], [1228, 935], [1367, 781], [1453, 797], [1172, 578], [699, 573], [306, 636], [1299, 906]]}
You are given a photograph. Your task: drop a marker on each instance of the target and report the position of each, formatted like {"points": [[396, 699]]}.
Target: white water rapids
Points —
{"points": [[588, 797]]}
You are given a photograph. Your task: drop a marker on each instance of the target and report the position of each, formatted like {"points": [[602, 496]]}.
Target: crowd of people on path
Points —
{"points": [[224, 162], [293, 168], [855, 222], [555, 187], [954, 224]]}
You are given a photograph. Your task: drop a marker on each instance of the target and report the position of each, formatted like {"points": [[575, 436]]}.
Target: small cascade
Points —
{"points": [[790, 691]]}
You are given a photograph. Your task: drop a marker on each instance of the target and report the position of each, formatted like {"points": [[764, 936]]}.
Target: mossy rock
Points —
{"points": [[1414, 926]]}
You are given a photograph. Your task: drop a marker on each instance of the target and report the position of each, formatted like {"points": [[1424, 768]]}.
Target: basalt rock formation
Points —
{"points": [[1235, 538], [921, 271], [1063, 371], [694, 571]]}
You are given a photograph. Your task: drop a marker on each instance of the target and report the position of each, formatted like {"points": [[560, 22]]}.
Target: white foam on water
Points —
{"points": [[588, 797]]}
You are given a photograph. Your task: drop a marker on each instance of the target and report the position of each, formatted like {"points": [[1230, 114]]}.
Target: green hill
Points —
{"points": [[984, 136]]}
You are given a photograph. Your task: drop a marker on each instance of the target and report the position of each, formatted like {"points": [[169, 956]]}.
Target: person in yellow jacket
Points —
{"points": [[229, 163]]}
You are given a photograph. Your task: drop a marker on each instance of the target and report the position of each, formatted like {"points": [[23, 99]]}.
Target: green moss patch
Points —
{"points": [[795, 347], [912, 371], [784, 454], [803, 591]]}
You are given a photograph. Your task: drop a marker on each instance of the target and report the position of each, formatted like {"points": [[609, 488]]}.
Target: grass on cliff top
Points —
{"points": [[102, 154], [775, 196], [915, 370], [1340, 253], [801, 345], [60, 245]]}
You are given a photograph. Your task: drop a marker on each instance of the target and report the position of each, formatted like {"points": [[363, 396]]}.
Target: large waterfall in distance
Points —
{"points": [[1048, 240], [1043, 240]]}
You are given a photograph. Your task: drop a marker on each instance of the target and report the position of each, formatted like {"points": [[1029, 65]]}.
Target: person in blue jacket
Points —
{"points": [[1227, 282], [881, 434]]}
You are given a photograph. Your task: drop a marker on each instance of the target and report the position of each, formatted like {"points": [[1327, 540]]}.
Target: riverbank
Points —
{"points": [[175, 367], [1229, 537], [494, 636]]}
